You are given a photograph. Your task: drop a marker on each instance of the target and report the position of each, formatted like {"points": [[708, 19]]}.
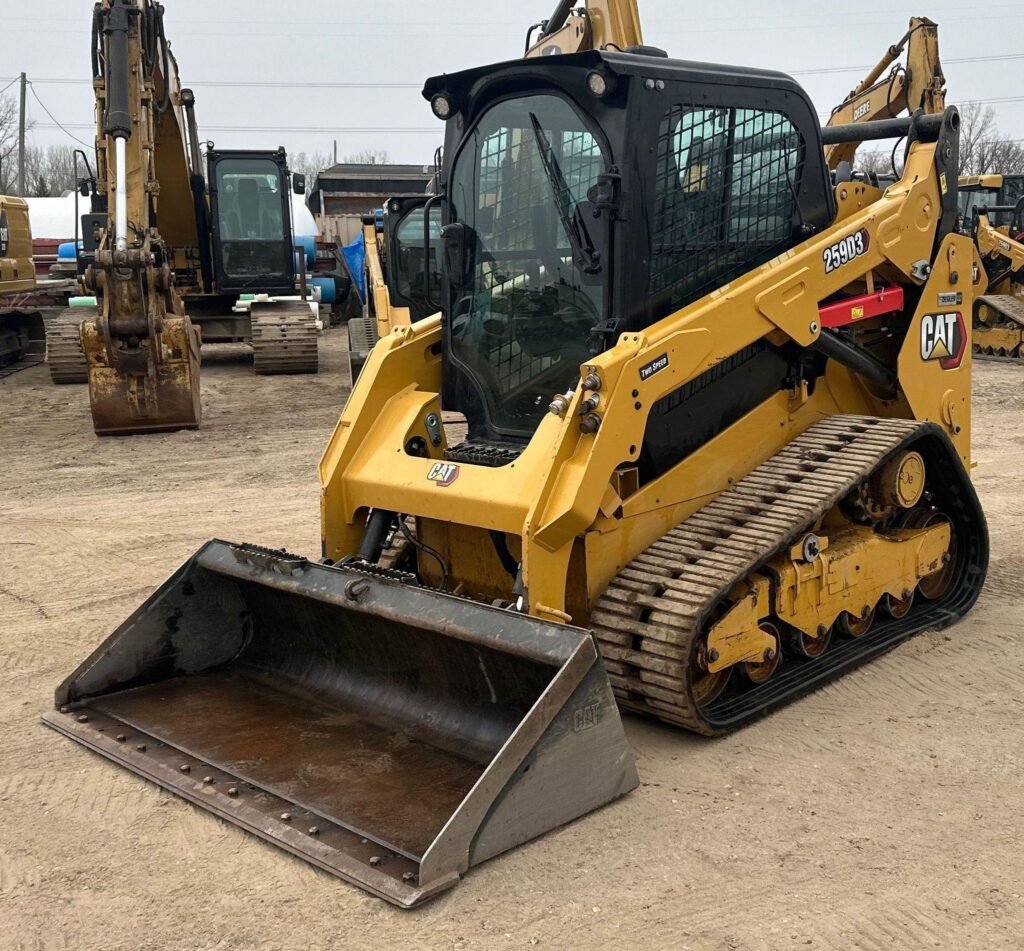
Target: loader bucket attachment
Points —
{"points": [[388, 733], [129, 392]]}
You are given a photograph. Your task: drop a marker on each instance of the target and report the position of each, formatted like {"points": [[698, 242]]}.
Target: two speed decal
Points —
{"points": [[845, 250]]}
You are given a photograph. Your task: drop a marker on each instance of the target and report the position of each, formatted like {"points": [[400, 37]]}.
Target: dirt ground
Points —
{"points": [[881, 812]]}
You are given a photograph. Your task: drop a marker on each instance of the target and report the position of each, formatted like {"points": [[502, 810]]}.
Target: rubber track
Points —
{"points": [[648, 621], [1011, 309], [64, 351], [284, 339], [1008, 306]]}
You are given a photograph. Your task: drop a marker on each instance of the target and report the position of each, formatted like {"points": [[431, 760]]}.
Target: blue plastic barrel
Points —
{"points": [[308, 244], [327, 288]]}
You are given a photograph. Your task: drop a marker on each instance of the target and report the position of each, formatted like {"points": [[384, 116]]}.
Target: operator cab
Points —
{"points": [[410, 264], [596, 193], [250, 204]]}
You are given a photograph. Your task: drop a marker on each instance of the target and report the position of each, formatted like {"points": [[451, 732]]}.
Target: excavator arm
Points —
{"points": [[595, 25], [919, 84], [141, 349]]}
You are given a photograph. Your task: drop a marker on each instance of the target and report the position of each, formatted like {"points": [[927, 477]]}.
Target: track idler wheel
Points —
{"points": [[935, 585], [708, 685], [852, 626], [898, 607], [804, 645], [758, 673]]}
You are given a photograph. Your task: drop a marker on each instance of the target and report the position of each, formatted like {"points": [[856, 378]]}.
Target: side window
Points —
{"points": [[411, 267], [725, 198]]}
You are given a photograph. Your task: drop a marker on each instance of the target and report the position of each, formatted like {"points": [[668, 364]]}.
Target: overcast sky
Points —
{"points": [[394, 46]]}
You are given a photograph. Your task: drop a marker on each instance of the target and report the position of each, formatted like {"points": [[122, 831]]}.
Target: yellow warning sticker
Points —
{"points": [[856, 312], [942, 182]]}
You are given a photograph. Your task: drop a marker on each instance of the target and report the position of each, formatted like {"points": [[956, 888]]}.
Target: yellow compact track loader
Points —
{"points": [[21, 327], [400, 267], [710, 417], [999, 312]]}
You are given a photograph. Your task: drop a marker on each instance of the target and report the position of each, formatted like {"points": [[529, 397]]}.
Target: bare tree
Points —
{"points": [[59, 168], [879, 161], [368, 157], [983, 148], [309, 164], [8, 145]]}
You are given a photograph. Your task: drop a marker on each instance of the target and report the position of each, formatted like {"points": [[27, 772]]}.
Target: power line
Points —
{"points": [[286, 84], [384, 130], [35, 96]]}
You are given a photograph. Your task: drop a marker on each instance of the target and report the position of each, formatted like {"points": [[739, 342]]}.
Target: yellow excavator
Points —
{"points": [[707, 447], [21, 327], [169, 256], [917, 84]]}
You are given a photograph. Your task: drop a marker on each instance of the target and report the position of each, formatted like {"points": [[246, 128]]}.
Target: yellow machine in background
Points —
{"points": [[919, 84], [166, 241], [687, 403], [21, 327], [592, 25], [999, 311], [141, 349]]}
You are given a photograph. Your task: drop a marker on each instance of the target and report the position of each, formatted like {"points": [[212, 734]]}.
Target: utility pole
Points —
{"points": [[335, 151], [21, 139]]}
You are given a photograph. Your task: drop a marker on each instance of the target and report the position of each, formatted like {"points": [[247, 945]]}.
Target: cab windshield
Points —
{"points": [[251, 221], [531, 291]]}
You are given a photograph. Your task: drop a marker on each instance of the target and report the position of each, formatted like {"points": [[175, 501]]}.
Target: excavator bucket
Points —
{"points": [[388, 733], [132, 393]]}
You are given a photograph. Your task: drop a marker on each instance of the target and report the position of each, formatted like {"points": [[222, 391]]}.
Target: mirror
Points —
{"points": [[299, 183]]}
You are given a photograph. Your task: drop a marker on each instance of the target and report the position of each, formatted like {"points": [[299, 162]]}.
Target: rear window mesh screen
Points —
{"points": [[725, 198]]}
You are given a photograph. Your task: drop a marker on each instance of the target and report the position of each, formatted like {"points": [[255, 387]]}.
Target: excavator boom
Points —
{"points": [[593, 25], [919, 84], [141, 350]]}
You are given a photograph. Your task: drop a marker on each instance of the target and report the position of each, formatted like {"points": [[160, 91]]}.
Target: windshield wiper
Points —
{"points": [[584, 253]]}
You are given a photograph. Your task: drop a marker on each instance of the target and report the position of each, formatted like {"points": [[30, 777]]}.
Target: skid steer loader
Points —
{"points": [[717, 417], [999, 310], [398, 270]]}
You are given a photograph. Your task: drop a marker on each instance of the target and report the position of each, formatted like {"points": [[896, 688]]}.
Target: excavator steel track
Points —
{"points": [[64, 351], [651, 618], [284, 339]]}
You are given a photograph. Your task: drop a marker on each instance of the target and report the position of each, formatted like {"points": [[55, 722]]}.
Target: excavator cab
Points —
{"points": [[250, 209]]}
